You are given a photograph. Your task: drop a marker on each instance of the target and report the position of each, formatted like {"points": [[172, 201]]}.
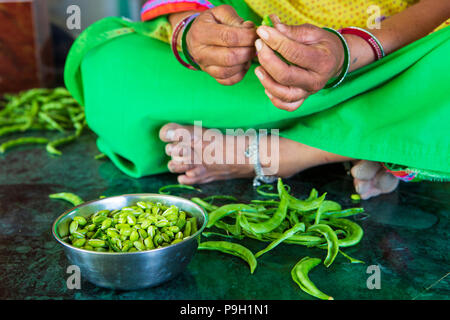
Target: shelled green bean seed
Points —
{"points": [[140, 227]]}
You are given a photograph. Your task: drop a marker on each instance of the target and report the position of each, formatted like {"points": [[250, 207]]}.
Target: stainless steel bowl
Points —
{"points": [[131, 270]]}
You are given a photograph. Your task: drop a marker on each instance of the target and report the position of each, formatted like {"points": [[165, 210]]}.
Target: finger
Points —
{"points": [[214, 34], [283, 73], [287, 106], [223, 72], [305, 33], [226, 14], [298, 53], [286, 94], [232, 80], [224, 57]]}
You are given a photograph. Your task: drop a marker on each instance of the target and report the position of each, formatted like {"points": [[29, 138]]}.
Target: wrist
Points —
{"points": [[361, 53], [179, 41], [175, 18]]}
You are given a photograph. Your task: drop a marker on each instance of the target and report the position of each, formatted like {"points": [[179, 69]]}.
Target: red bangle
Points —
{"points": [[179, 27], [376, 46]]}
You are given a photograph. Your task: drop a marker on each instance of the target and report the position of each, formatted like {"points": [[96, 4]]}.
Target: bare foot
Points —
{"points": [[201, 156], [371, 179]]}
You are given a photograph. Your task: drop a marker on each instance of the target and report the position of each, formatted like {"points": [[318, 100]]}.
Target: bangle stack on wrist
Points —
{"points": [[368, 37], [364, 34], [333, 83], [184, 26]]}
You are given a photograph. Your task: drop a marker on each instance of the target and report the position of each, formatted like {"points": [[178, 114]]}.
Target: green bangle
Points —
{"points": [[184, 47], [333, 83]]}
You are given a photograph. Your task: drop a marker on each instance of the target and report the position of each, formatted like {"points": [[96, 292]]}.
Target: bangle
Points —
{"points": [[184, 46], [346, 65], [181, 26], [252, 153], [368, 37]]}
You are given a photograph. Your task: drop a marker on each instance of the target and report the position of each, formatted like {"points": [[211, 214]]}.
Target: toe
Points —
{"points": [[181, 152], [362, 186], [386, 182], [365, 170], [372, 192], [183, 179], [382, 183], [169, 148], [167, 133], [193, 176], [196, 172], [179, 167]]}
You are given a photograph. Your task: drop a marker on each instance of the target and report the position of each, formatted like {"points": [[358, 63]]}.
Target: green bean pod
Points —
{"points": [[332, 241], [21, 141], [305, 205], [221, 197], [225, 210], [233, 249], [286, 235], [278, 216], [69, 197], [217, 234], [352, 260], [354, 232], [162, 190], [300, 276], [343, 213], [205, 205]]}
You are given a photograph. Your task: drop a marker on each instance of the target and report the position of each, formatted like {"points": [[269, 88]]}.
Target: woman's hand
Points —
{"points": [[317, 56], [222, 44]]}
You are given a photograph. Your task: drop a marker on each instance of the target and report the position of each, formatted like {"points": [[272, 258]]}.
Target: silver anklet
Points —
{"points": [[252, 153]]}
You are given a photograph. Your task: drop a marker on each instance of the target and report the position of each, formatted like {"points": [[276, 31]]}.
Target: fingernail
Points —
{"points": [[248, 24], [259, 74], [258, 45], [281, 27], [169, 148], [276, 18], [170, 134], [262, 32]]}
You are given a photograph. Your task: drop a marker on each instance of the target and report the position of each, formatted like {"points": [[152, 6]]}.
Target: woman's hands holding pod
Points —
{"points": [[222, 44], [316, 55]]}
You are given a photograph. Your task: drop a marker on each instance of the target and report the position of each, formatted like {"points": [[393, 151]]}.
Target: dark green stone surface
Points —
{"points": [[406, 234]]}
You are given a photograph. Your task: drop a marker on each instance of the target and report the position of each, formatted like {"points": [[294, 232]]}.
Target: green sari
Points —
{"points": [[396, 110]]}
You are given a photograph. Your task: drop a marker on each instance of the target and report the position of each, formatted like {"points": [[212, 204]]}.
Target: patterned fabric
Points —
{"points": [[415, 175], [334, 14], [156, 8]]}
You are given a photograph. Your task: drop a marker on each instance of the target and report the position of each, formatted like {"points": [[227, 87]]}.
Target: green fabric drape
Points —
{"points": [[396, 110]]}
